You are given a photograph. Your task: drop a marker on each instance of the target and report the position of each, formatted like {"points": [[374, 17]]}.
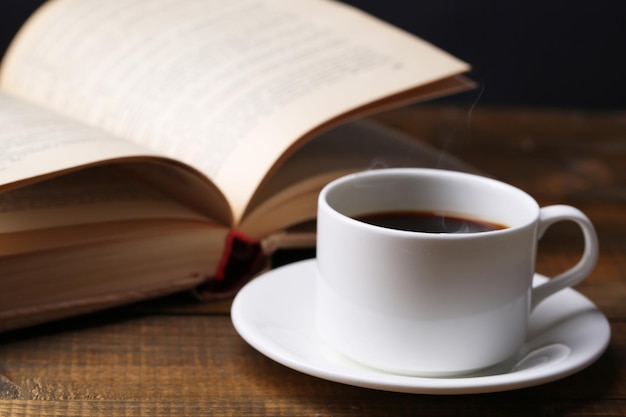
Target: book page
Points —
{"points": [[87, 206], [35, 142], [351, 147], [226, 87], [109, 192]]}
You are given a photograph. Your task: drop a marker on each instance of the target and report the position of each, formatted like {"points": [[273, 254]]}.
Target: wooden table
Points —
{"points": [[178, 357]]}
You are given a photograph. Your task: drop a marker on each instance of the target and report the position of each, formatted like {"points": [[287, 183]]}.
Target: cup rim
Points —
{"points": [[323, 203]]}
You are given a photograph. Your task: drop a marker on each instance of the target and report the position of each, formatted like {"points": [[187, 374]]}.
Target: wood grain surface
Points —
{"points": [[177, 357]]}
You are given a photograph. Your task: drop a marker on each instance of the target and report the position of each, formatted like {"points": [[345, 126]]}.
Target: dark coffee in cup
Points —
{"points": [[428, 222]]}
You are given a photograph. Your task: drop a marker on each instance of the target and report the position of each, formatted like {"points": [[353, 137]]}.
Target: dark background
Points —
{"points": [[541, 53]]}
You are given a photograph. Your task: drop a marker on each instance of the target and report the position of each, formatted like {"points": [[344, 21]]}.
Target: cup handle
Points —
{"points": [[550, 215]]}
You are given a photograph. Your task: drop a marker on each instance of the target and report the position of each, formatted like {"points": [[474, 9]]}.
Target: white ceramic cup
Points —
{"points": [[433, 304]]}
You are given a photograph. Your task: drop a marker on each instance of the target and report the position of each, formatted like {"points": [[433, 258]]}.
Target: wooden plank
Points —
{"points": [[176, 356], [420, 405], [193, 357]]}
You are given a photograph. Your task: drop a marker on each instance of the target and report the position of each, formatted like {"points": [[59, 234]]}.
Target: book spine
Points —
{"points": [[243, 258]]}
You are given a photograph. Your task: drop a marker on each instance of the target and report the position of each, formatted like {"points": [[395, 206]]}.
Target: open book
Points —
{"points": [[151, 146]]}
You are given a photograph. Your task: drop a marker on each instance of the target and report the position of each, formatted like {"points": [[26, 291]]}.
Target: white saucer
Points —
{"points": [[274, 314]]}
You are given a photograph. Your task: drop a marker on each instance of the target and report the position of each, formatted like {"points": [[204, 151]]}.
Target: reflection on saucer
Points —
{"points": [[547, 355]]}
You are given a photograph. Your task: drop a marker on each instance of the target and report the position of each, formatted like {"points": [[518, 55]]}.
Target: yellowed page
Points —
{"points": [[87, 206], [89, 196], [35, 142], [226, 86], [290, 196]]}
